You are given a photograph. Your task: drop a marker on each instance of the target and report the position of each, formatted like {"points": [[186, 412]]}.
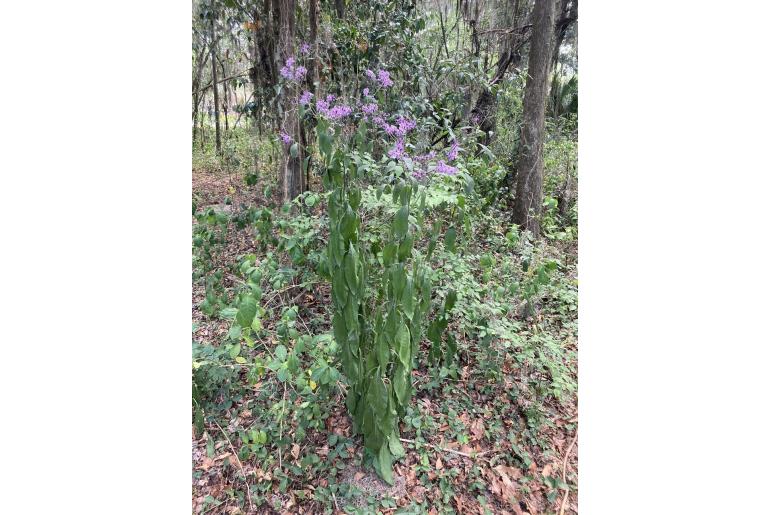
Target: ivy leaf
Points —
{"points": [[294, 149], [246, 312], [396, 449]]}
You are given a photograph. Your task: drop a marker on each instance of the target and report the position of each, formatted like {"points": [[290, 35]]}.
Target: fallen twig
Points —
{"points": [[564, 474], [243, 473]]}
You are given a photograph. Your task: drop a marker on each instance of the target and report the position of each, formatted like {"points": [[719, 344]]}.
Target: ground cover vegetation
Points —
{"points": [[384, 256]]}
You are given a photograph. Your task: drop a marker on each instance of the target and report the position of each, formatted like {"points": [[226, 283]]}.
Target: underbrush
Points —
{"points": [[269, 395]]}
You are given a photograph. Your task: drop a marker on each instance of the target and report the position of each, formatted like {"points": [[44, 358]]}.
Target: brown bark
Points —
{"points": [[568, 13], [529, 167], [214, 85], [201, 59], [484, 111], [292, 181]]}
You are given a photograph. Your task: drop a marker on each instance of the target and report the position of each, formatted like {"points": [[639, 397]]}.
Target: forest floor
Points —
{"points": [[474, 443]]}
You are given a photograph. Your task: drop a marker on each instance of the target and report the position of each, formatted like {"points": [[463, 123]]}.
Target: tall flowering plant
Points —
{"points": [[381, 294]]}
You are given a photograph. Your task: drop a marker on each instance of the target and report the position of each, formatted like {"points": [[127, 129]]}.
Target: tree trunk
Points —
{"points": [[485, 110], [568, 12], [291, 180], [340, 6], [529, 167], [197, 97], [226, 100], [215, 86]]}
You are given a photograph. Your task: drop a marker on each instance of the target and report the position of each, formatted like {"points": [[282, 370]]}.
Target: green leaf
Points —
{"points": [[449, 239], [235, 350], [294, 149], [246, 312], [451, 298], [281, 352], [401, 384], [386, 464], [403, 345], [396, 449], [401, 222]]}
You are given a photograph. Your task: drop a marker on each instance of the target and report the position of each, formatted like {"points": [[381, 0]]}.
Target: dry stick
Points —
{"points": [[335, 502], [446, 450], [564, 474], [245, 480]]}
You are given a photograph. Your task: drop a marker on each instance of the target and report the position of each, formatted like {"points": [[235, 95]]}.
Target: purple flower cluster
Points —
{"points": [[285, 138], [404, 126], [398, 151], [291, 72], [369, 108], [333, 113], [304, 48], [426, 157], [305, 98], [382, 76], [445, 169], [454, 150]]}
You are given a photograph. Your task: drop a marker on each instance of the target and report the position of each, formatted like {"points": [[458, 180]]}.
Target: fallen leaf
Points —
{"points": [[477, 429], [295, 451]]}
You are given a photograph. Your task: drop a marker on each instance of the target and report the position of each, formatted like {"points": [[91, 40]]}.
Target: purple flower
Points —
{"points": [[371, 75], [330, 98], [286, 138], [299, 73], [378, 120], [390, 130], [304, 48], [366, 92], [287, 73], [397, 152], [445, 169], [426, 157], [369, 108], [322, 106], [384, 78], [405, 125], [339, 111], [305, 98], [420, 174], [454, 150]]}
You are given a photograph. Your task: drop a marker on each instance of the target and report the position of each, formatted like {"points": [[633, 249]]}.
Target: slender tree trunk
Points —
{"points": [[568, 12], [292, 179], [315, 78], [340, 7], [215, 86], [529, 167], [226, 100], [485, 110], [203, 57]]}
